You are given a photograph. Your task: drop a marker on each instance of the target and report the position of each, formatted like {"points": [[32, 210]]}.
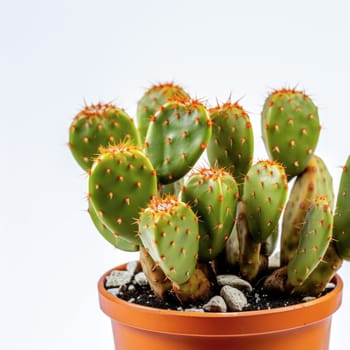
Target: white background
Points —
{"points": [[54, 55]]}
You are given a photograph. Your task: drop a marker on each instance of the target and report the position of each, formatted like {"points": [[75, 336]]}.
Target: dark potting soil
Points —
{"points": [[258, 299]]}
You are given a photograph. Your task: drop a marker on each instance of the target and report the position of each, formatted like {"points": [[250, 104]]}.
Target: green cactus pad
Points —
{"points": [[315, 238], [316, 283], [290, 129], [213, 196], [264, 193], [155, 97], [176, 138], [98, 126], [111, 237], [232, 144], [341, 230], [169, 231], [121, 183], [315, 181]]}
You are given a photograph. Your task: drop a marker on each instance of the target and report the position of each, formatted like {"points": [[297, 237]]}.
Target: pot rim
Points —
{"points": [[242, 322]]}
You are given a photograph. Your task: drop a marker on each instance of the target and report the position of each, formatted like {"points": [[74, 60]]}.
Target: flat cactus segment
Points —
{"points": [[98, 126], [315, 181], [315, 238], [341, 231], [169, 232], [264, 194], [121, 183], [176, 138], [290, 129], [111, 237], [232, 143], [317, 281], [155, 97], [213, 195]]}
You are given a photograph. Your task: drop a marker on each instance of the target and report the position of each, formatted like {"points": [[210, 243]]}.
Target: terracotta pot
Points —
{"points": [[303, 326]]}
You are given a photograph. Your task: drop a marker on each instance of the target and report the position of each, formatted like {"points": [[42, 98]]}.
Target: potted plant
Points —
{"points": [[206, 234]]}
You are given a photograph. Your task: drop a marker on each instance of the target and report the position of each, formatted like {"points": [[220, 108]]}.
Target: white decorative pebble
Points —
{"points": [[234, 281], [118, 278], [132, 267], [234, 298], [308, 298], [194, 309], [330, 285], [215, 304], [141, 279], [114, 291]]}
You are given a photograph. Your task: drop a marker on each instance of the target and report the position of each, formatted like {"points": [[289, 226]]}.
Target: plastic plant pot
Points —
{"points": [[305, 326]]}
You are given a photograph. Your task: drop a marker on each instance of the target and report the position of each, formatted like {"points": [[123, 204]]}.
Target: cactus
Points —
{"points": [[176, 138], [232, 145], [121, 183], [342, 214], [264, 193], [213, 195], [99, 126], [315, 238], [290, 129], [187, 220], [155, 97], [169, 232], [314, 181]]}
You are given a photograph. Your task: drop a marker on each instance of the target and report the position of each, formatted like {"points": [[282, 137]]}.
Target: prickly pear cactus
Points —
{"points": [[98, 126], [110, 236], [317, 281], [121, 183], [169, 232], [290, 129], [156, 96], [232, 144], [342, 214], [264, 194], [315, 181], [315, 238], [177, 136], [213, 195]]}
